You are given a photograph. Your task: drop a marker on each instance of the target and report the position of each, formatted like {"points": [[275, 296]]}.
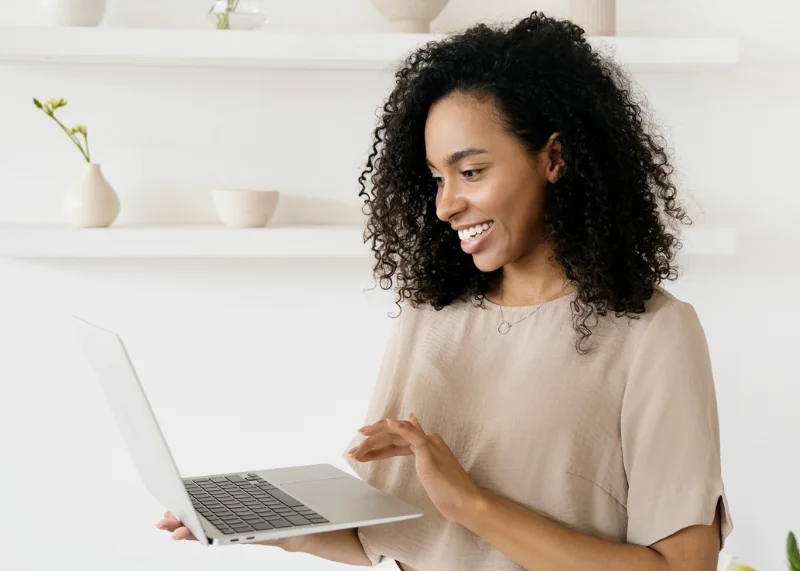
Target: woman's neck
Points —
{"points": [[530, 280]]}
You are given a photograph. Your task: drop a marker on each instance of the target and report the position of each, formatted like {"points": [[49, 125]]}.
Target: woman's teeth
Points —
{"points": [[470, 233]]}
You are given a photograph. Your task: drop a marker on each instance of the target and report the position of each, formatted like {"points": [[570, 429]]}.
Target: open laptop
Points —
{"points": [[237, 507]]}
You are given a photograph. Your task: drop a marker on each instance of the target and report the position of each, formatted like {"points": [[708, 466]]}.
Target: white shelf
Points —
{"points": [[28, 240], [303, 50], [60, 241]]}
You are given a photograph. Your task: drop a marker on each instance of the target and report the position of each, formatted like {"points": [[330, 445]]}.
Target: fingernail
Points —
{"points": [[362, 429]]}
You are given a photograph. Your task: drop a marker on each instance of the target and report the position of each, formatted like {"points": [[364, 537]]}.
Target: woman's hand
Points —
{"points": [[178, 530], [181, 532], [448, 485]]}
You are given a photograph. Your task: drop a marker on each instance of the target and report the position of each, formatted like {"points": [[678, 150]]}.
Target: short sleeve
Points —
{"points": [[670, 431]]}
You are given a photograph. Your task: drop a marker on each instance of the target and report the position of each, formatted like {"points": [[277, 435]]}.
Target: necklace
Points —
{"points": [[505, 326]]}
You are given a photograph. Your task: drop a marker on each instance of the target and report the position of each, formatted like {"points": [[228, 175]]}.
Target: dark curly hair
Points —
{"points": [[612, 217]]}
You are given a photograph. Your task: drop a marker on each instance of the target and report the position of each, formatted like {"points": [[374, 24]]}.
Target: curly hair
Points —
{"points": [[611, 219]]}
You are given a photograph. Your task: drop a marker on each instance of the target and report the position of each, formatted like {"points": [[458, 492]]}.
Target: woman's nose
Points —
{"points": [[449, 202]]}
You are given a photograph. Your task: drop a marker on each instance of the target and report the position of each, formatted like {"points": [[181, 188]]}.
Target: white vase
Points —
{"points": [[73, 12], [91, 202], [596, 17], [245, 208], [410, 16]]}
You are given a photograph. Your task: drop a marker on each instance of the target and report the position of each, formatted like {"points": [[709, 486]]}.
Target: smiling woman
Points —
{"points": [[565, 416]]}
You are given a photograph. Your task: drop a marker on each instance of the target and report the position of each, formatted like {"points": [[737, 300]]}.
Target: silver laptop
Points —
{"points": [[238, 507]]}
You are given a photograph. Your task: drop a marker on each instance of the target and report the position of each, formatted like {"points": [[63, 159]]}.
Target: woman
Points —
{"points": [[558, 404]]}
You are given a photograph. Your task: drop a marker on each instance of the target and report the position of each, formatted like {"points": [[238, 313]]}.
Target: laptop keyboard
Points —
{"points": [[234, 504]]}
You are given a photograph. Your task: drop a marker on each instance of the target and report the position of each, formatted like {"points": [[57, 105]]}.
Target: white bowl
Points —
{"points": [[410, 16], [241, 208]]}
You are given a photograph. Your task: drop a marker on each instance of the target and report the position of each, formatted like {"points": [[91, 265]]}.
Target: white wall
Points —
{"points": [[222, 344]]}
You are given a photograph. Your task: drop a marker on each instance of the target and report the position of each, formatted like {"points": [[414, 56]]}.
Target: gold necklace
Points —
{"points": [[505, 326]]}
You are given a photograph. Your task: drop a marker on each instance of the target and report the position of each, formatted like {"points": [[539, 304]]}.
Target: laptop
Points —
{"points": [[238, 507]]}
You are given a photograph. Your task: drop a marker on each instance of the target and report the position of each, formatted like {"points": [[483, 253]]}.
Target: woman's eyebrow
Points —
{"points": [[458, 155]]}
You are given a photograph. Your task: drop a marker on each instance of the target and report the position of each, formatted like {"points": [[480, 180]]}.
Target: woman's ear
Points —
{"points": [[555, 161]]}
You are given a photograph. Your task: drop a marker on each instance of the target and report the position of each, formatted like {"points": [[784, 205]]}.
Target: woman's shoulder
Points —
{"points": [[667, 320], [664, 306]]}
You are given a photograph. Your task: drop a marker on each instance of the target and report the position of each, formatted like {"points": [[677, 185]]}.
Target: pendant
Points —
{"points": [[503, 328]]}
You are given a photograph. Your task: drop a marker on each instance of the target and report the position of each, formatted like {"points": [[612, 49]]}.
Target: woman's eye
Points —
{"points": [[470, 173], [438, 180]]}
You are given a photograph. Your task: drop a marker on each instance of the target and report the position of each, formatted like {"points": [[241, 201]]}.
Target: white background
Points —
{"points": [[262, 363]]}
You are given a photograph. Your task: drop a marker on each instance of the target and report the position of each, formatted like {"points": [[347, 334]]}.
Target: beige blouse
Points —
{"points": [[621, 444]]}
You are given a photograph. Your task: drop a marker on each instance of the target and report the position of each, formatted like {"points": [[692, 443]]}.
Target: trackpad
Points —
{"points": [[346, 499]]}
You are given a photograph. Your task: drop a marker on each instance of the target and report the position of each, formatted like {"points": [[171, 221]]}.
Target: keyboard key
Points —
{"points": [[297, 520], [263, 526], [235, 478], [285, 498], [228, 531], [279, 523], [242, 527], [271, 517], [218, 479], [317, 520]]}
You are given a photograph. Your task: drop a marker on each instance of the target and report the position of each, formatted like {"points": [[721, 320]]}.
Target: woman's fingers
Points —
{"points": [[170, 524], [385, 452], [378, 441], [182, 533]]}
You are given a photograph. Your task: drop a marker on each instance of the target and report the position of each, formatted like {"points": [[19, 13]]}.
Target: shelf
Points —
{"points": [[28, 240], [60, 241], [263, 49]]}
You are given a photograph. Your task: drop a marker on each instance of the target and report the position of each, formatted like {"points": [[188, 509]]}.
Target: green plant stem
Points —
{"points": [[71, 138], [86, 140]]}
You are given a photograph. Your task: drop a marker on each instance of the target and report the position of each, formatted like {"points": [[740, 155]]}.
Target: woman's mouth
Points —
{"points": [[473, 237]]}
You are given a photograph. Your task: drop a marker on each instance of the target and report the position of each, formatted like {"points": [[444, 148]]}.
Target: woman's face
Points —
{"points": [[490, 188]]}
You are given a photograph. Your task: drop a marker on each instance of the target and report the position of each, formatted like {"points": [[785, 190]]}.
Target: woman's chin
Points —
{"points": [[486, 262]]}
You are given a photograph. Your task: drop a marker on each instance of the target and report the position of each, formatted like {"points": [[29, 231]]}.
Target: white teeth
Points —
{"points": [[470, 233]]}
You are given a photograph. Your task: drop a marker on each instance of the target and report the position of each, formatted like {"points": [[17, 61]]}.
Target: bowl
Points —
{"points": [[410, 16], [245, 208]]}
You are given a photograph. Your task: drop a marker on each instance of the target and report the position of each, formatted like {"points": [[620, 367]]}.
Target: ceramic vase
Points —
{"points": [[91, 202]]}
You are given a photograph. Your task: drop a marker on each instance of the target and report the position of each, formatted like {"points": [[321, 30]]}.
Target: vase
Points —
{"points": [[73, 12], [91, 202], [238, 14], [596, 17], [410, 16], [245, 208]]}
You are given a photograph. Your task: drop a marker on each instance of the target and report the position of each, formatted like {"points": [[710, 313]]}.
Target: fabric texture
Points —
{"points": [[621, 444]]}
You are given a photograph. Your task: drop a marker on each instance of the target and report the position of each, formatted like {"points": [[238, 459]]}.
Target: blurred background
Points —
{"points": [[207, 326]]}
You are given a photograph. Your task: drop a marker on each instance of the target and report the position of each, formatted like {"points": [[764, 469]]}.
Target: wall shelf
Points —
{"points": [[356, 51], [33, 240]]}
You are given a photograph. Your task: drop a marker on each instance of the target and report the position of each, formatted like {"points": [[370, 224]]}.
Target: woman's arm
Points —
{"points": [[342, 546], [539, 544]]}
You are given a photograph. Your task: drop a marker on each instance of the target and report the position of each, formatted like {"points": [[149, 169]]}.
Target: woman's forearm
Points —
{"points": [[342, 546], [537, 543]]}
